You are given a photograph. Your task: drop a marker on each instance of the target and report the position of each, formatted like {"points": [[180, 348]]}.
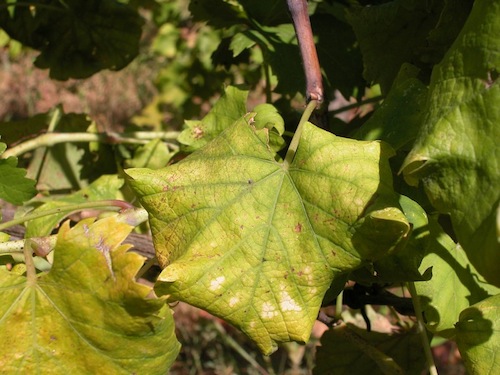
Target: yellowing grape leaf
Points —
{"points": [[258, 242], [88, 315]]}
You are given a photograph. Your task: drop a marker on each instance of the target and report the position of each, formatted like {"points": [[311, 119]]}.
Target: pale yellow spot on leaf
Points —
{"points": [[268, 311], [288, 303], [217, 283]]}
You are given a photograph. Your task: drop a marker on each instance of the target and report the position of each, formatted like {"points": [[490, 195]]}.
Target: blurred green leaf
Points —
{"points": [[266, 12], [14, 186], [279, 44], [76, 38], [478, 336], [59, 167], [259, 244], [404, 31], [399, 117], [88, 314], [218, 13], [155, 154], [338, 54], [105, 187], [241, 42], [456, 155], [13, 131]]}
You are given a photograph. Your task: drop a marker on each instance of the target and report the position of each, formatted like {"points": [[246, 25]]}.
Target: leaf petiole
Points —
{"points": [[51, 139], [294, 144], [422, 330], [110, 204]]}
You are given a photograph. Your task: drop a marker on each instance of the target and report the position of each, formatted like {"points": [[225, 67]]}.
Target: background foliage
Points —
{"points": [[258, 235]]}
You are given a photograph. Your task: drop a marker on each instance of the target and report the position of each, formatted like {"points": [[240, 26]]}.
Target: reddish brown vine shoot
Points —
{"points": [[312, 70]]}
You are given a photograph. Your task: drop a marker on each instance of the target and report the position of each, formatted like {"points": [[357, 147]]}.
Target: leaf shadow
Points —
{"points": [[467, 277], [474, 329]]}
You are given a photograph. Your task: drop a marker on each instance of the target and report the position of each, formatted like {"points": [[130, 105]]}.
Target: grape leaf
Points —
{"points": [[14, 186], [154, 154], [478, 336], [218, 13], [240, 42], [104, 188], [456, 155], [404, 264], [88, 314], [455, 283], [279, 43], [266, 12], [13, 131], [403, 31], [352, 350], [229, 108], [339, 55], [259, 243], [76, 38], [400, 115], [63, 166]]}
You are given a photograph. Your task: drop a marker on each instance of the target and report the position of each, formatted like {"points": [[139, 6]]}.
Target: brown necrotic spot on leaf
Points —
{"points": [[198, 132]]}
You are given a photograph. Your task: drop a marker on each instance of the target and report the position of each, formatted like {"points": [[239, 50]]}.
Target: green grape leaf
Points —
{"points": [[403, 31], [455, 283], [67, 166], [229, 108], [267, 116], [14, 186], [456, 155], [266, 12], [88, 314], [104, 188], [257, 242], [404, 264], [478, 336], [240, 42], [218, 13], [155, 154], [400, 115], [339, 55], [352, 350], [279, 44], [76, 38], [13, 131]]}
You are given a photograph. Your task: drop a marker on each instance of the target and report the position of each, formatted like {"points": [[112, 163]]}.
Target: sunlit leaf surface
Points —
{"points": [[259, 243]]}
